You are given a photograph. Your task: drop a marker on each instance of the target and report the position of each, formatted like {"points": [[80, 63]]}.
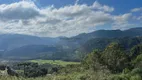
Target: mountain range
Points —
{"points": [[17, 45]]}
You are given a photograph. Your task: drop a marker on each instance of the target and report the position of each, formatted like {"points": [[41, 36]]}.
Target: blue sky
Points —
{"points": [[53, 18]]}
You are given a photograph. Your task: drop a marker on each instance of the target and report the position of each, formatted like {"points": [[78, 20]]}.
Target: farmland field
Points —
{"points": [[56, 62]]}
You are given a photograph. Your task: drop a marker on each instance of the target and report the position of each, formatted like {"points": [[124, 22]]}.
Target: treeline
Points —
{"points": [[31, 69]]}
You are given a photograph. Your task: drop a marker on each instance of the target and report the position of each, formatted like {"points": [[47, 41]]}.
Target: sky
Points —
{"points": [[54, 18]]}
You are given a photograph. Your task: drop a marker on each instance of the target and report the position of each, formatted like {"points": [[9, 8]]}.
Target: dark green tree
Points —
{"points": [[135, 51], [114, 58], [92, 60]]}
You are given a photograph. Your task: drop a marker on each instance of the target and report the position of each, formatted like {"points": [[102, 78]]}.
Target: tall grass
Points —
{"points": [[86, 75]]}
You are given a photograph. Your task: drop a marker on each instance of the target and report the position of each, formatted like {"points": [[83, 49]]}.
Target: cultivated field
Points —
{"points": [[56, 62]]}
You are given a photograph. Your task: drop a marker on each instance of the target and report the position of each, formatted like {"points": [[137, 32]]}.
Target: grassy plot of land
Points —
{"points": [[85, 75], [56, 62]]}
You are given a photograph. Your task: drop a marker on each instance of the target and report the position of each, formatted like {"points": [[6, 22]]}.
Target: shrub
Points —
{"points": [[136, 77], [136, 71], [126, 70], [92, 60], [35, 71], [120, 77]]}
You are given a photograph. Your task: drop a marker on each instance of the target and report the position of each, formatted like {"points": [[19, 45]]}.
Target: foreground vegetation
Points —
{"points": [[113, 63]]}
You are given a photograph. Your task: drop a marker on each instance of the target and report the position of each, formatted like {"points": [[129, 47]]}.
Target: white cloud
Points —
{"points": [[106, 8], [76, 2], [136, 9], [122, 21], [19, 10], [123, 18], [139, 18], [25, 17]]}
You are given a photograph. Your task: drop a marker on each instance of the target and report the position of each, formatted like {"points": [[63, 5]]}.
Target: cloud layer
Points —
{"points": [[25, 17]]}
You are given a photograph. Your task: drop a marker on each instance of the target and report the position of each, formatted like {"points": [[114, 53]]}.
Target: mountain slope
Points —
{"points": [[101, 43], [12, 41], [17, 45], [81, 38], [29, 51]]}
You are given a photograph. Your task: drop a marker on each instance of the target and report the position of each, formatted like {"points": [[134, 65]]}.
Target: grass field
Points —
{"points": [[85, 75], [74, 73], [56, 62]]}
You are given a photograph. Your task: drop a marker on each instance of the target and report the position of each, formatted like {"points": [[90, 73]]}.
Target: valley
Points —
{"points": [[108, 57]]}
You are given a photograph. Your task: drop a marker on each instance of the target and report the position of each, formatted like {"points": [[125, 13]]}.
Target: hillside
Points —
{"points": [[101, 43], [26, 46], [12, 41], [81, 38], [29, 51]]}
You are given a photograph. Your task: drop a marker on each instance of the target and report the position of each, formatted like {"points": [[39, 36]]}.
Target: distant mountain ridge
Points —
{"points": [[16, 45], [12, 41], [132, 32], [29, 51]]}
